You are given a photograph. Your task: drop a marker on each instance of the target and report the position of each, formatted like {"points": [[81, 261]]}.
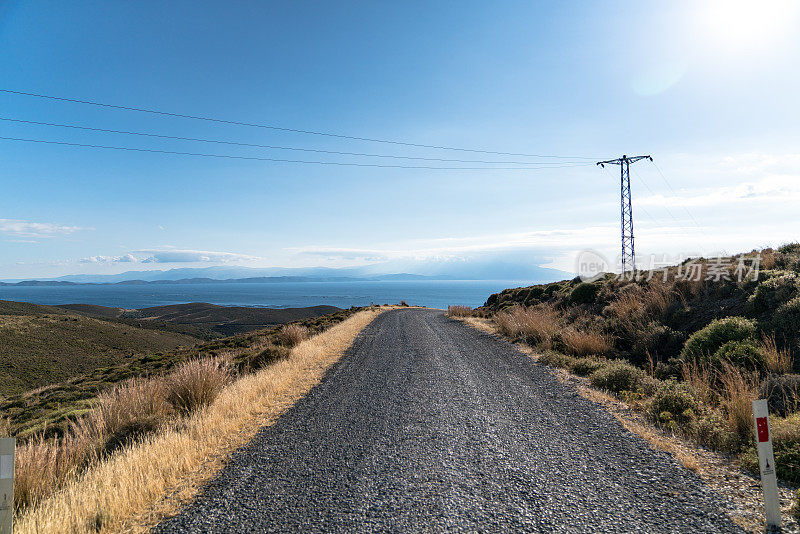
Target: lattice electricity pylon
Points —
{"points": [[626, 213]]}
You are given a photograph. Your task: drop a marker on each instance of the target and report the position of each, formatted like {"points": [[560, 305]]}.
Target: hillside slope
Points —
{"points": [[51, 407], [202, 318], [40, 345]]}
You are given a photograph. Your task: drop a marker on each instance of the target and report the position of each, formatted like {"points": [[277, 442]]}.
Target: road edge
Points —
{"points": [[716, 470]]}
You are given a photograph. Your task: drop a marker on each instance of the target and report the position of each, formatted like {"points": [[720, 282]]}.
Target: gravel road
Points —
{"points": [[428, 425]]}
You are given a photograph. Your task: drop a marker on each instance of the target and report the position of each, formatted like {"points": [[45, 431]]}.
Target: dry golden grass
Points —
{"points": [[778, 360], [137, 406], [702, 377], [585, 342], [637, 305], [739, 389], [459, 311], [537, 325], [292, 334], [196, 383], [138, 485], [767, 258]]}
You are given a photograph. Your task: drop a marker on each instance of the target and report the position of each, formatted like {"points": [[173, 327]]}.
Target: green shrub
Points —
{"points": [[782, 393], [556, 359], [743, 354], [704, 343], [657, 340], [550, 289], [786, 445], [586, 366], [674, 404], [786, 320], [252, 361], [618, 377], [771, 293], [787, 459], [710, 430], [672, 368], [584, 293], [790, 248]]}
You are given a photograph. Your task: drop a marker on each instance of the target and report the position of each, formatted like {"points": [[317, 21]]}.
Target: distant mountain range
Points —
{"points": [[438, 270]]}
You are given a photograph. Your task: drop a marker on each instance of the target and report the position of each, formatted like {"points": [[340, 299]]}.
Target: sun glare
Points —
{"points": [[747, 24]]}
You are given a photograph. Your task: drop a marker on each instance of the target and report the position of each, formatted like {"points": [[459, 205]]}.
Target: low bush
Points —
{"points": [[556, 359], [712, 431], [675, 404], [584, 293], [782, 393], [459, 311], [618, 377], [586, 366], [744, 354], [771, 293], [786, 321], [292, 334], [196, 383], [705, 342], [269, 354], [786, 446], [657, 340]]}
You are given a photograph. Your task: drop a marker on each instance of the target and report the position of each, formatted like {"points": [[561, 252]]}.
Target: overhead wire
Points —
{"points": [[275, 147], [286, 129], [685, 208], [281, 160]]}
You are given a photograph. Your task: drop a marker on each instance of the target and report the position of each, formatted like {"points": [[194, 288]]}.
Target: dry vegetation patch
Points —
{"points": [[134, 487]]}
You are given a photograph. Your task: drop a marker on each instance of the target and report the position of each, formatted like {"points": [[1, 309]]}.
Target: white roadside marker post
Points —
{"points": [[766, 462], [6, 484]]}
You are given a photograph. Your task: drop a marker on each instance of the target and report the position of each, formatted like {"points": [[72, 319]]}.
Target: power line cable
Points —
{"points": [[654, 194], [235, 143], [686, 209], [284, 129], [280, 160]]}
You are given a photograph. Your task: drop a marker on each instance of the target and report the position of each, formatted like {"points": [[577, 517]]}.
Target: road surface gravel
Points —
{"points": [[426, 424]]}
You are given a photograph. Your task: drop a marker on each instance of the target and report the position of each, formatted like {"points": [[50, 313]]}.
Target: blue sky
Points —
{"points": [[707, 88]]}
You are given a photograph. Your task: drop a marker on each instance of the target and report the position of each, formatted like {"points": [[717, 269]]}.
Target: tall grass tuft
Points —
{"points": [[739, 389], [130, 409], [292, 334], [703, 378], [459, 311], [778, 360], [585, 342], [196, 383], [536, 325]]}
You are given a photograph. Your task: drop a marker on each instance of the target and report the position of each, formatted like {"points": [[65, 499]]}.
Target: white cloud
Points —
{"points": [[174, 255], [170, 255], [777, 188], [35, 230], [126, 258]]}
